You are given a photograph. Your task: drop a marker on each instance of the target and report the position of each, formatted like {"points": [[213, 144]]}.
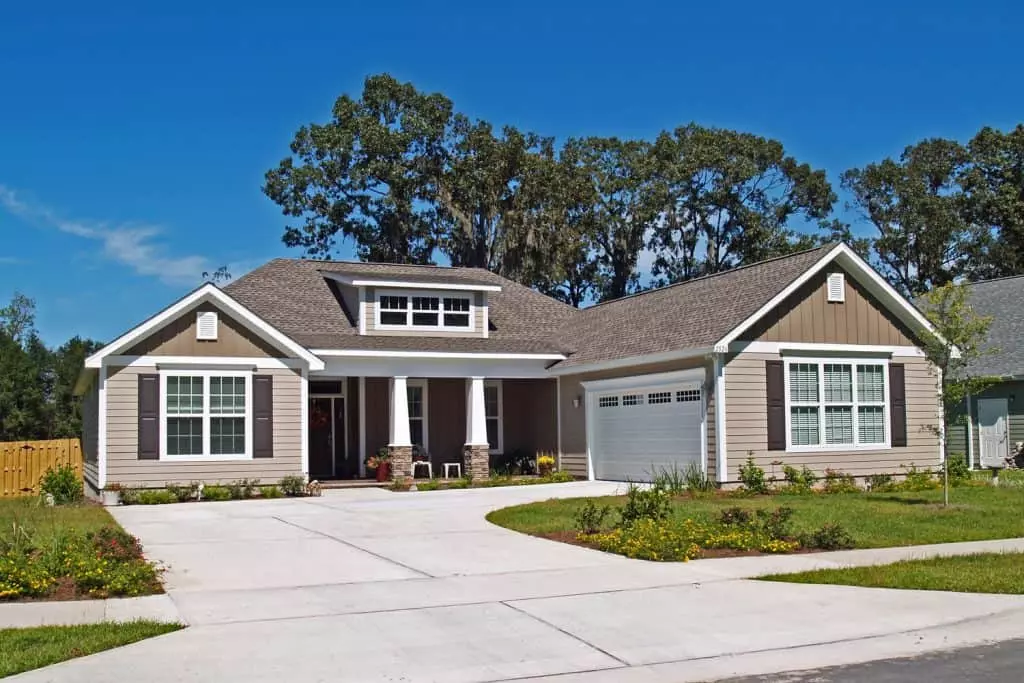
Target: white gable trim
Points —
{"points": [[213, 294], [864, 273], [454, 285]]}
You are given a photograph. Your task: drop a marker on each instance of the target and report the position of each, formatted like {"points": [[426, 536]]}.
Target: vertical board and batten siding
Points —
{"points": [[808, 317], [178, 338], [574, 429], [747, 424], [370, 312], [124, 466], [23, 463]]}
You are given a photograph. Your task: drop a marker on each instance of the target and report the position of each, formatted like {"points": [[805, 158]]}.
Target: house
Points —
{"points": [[308, 366], [990, 426]]}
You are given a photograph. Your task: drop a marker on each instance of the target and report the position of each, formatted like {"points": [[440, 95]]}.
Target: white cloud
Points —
{"points": [[135, 246]]}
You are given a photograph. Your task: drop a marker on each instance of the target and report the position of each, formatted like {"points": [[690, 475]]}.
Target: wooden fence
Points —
{"points": [[24, 462]]}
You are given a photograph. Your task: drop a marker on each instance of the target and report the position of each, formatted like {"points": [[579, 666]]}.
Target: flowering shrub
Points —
{"points": [[840, 482], [653, 503]]}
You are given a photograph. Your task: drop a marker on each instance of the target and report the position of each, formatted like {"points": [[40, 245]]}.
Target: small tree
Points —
{"points": [[955, 352]]}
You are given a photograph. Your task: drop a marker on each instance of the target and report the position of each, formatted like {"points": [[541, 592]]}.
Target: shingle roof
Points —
{"points": [[692, 314], [294, 296], [1002, 299]]}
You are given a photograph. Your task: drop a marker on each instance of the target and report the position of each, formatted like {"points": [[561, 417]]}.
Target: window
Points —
{"points": [[423, 311], [659, 397], [416, 390], [688, 395], [633, 400], [206, 415], [836, 404], [493, 410], [608, 402]]}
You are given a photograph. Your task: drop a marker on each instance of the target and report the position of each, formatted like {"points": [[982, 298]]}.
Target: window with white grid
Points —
{"points": [[409, 310], [836, 404], [206, 415]]}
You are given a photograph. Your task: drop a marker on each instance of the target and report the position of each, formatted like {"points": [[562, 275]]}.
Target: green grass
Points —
{"points": [[1006, 477], [45, 520], [982, 573], [875, 520], [22, 649]]}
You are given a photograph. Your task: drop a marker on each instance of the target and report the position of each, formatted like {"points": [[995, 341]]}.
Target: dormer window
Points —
{"points": [[422, 311]]}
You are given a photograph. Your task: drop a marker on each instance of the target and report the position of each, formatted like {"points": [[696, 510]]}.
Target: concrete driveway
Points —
{"points": [[369, 585]]}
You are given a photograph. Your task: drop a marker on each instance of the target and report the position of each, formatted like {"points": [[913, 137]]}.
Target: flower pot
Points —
{"points": [[110, 498], [544, 470], [384, 471]]}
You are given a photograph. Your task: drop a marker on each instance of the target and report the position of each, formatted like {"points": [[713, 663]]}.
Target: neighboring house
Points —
{"points": [[990, 427], [309, 366]]}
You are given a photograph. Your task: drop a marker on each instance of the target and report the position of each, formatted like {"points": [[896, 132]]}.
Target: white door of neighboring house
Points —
{"points": [[993, 435], [638, 430]]}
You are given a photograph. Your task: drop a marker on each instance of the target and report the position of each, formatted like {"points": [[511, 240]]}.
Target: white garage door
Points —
{"points": [[638, 431]]}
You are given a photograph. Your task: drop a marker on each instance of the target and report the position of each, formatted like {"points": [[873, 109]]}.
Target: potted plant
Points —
{"points": [[381, 462], [545, 464], [111, 495]]}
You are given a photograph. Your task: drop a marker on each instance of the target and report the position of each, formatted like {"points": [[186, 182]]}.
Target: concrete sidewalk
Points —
{"points": [[375, 586]]}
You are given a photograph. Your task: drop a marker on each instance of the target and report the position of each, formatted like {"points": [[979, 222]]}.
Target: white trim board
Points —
{"points": [[368, 353], [857, 268], [364, 281], [802, 348], [631, 361], [213, 294], [721, 440], [694, 376], [204, 361]]}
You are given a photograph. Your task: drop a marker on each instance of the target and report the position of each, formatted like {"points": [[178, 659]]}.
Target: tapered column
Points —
{"points": [[476, 455], [399, 442]]}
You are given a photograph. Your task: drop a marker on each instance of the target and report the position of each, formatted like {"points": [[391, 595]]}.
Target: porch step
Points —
{"points": [[354, 484]]}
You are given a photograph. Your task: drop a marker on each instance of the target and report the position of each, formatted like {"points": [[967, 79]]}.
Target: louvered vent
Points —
{"points": [[836, 288], [206, 326]]}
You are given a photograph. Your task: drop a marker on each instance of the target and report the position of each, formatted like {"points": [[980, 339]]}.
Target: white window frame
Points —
{"points": [[500, 416], [206, 455], [422, 384], [439, 295], [854, 404]]}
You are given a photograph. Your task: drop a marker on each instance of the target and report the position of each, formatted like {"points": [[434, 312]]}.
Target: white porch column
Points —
{"points": [[476, 413], [399, 434]]}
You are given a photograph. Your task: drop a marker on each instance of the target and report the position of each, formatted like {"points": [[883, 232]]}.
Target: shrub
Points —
{"points": [[798, 481], [271, 491], [21, 575], [697, 480], [129, 496], [590, 518], [669, 479], [829, 537], [652, 503], [840, 482], [918, 480], [401, 485], [184, 492], [958, 469], [735, 516], [152, 497], [462, 483], [559, 477], [215, 493], [753, 477], [243, 488], [428, 485], [293, 485], [114, 543], [880, 483], [771, 524], [63, 483]]}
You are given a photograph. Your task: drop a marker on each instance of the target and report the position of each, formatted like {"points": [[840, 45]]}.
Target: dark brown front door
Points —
{"points": [[327, 453]]}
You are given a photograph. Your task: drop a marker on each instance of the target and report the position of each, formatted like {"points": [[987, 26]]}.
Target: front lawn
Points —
{"points": [[23, 649], [873, 520], [68, 552], [982, 573]]}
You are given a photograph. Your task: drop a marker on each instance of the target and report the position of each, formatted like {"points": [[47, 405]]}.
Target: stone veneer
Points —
{"points": [[401, 462], [476, 462]]}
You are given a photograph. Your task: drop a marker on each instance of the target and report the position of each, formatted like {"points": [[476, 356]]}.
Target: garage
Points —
{"points": [[638, 426]]}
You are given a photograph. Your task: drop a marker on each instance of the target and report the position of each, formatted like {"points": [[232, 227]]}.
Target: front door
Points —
{"points": [[327, 452], [993, 438]]}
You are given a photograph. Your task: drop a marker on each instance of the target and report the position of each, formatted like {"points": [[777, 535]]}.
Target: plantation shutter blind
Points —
{"points": [[898, 404], [149, 417], [776, 391], [263, 416]]}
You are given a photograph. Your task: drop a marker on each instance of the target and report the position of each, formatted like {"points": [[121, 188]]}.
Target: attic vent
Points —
{"points": [[836, 288], [206, 326]]}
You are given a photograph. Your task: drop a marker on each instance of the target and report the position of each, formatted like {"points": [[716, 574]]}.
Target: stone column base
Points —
{"points": [[476, 462], [401, 462]]}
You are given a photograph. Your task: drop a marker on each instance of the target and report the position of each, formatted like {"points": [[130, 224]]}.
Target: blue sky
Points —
{"points": [[133, 139]]}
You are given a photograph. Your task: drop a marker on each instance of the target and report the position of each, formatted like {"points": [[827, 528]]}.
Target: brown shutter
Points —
{"points": [[149, 417], [263, 416], [898, 404], [776, 405]]}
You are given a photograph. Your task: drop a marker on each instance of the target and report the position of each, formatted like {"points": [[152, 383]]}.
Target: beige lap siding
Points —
{"points": [[747, 424], [124, 467], [574, 428]]}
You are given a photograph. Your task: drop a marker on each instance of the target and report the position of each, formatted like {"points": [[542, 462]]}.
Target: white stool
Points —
{"points": [[447, 469], [423, 463]]}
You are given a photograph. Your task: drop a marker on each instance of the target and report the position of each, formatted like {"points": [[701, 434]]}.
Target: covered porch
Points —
{"points": [[481, 422]]}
